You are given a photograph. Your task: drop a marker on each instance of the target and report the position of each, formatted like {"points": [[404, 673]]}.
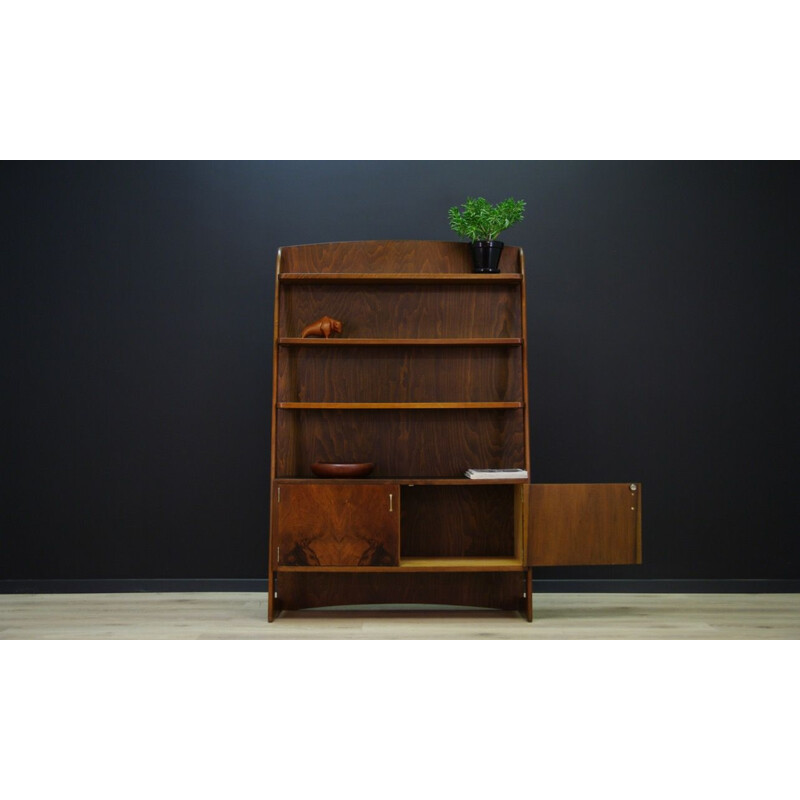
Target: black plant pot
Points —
{"points": [[486, 256]]}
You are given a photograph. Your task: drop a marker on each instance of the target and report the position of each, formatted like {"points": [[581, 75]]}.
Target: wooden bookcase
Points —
{"points": [[427, 379]]}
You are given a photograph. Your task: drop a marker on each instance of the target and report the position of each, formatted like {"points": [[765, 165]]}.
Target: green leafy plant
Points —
{"points": [[481, 221]]}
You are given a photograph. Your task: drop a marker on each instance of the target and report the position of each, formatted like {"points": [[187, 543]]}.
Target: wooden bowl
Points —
{"points": [[326, 469]]}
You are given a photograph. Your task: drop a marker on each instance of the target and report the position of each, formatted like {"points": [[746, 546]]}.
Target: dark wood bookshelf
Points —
{"points": [[428, 378]]}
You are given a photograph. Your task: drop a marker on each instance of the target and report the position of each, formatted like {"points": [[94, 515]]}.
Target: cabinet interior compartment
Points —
{"points": [[458, 521]]}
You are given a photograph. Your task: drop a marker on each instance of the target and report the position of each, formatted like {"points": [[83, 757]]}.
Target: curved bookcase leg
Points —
{"points": [[526, 607], [272, 605]]}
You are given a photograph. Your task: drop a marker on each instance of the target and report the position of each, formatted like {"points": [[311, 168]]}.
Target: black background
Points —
{"points": [[137, 323]]}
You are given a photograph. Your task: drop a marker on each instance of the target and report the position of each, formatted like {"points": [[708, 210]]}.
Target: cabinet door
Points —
{"points": [[322, 525], [584, 523]]}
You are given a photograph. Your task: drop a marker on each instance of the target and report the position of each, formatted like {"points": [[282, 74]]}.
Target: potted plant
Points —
{"points": [[482, 222]]}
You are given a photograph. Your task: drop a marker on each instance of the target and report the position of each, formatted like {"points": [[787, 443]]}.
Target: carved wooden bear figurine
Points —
{"points": [[322, 327]]}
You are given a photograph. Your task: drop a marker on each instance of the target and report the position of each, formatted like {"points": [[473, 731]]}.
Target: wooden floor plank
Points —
{"points": [[241, 615]]}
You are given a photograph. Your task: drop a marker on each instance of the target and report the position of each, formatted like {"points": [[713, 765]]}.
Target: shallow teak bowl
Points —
{"points": [[325, 469]]}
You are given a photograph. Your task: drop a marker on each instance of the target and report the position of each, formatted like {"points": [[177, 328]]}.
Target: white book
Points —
{"points": [[496, 474]]}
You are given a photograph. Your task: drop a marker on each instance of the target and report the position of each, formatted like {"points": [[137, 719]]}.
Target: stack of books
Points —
{"points": [[496, 474]]}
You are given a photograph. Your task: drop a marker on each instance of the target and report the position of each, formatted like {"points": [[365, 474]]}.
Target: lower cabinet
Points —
{"points": [[464, 543]]}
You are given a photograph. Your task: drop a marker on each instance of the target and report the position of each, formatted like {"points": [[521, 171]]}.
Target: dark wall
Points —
{"points": [[137, 323]]}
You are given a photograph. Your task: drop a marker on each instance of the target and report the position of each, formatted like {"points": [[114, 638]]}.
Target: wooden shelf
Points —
{"points": [[408, 481], [427, 565], [297, 342], [461, 564], [394, 406], [398, 277]]}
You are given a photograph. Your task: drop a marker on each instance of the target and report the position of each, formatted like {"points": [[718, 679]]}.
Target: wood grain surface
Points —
{"points": [[342, 525], [584, 523], [377, 311], [482, 589], [400, 374], [388, 256], [397, 341], [404, 443], [420, 278]]}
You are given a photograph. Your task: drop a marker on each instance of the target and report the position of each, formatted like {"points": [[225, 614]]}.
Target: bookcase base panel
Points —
{"points": [[502, 590]]}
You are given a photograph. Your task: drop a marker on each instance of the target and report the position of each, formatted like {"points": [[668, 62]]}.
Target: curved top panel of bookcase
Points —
{"points": [[391, 256]]}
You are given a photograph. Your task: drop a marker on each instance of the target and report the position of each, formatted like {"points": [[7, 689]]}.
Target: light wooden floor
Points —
{"points": [[210, 615]]}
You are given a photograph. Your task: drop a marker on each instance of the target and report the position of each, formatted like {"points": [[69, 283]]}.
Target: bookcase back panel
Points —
{"points": [[457, 521], [386, 311], [400, 374], [388, 256], [401, 443]]}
